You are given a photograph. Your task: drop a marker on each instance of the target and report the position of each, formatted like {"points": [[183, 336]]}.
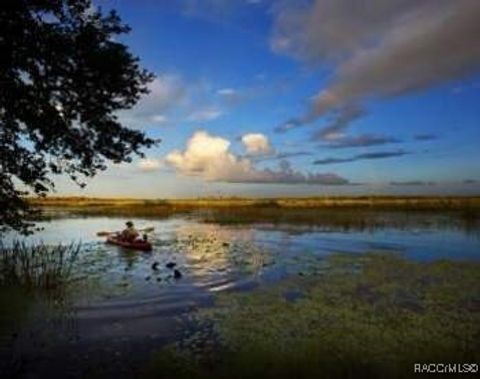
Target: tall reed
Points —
{"points": [[36, 266]]}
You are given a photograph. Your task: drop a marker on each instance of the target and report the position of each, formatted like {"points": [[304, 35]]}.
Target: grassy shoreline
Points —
{"points": [[373, 202], [338, 212]]}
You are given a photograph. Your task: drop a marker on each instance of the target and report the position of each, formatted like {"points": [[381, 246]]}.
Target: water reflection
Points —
{"points": [[128, 257], [118, 296], [213, 251]]}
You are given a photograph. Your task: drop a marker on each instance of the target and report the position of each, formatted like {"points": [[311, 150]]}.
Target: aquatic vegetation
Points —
{"points": [[36, 266], [34, 299], [213, 250], [373, 315]]}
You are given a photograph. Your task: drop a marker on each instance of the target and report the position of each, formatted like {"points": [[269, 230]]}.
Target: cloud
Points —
{"points": [[288, 125], [149, 164], [166, 92], [379, 49], [173, 100], [333, 160], [205, 114], [257, 144], [232, 96], [362, 140], [382, 154], [425, 137], [226, 92], [279, 156], [292, 154], [413, 183], [470, 181], [209, 158], [159, 118], [365, 156], [335, 130], [237, 96]]}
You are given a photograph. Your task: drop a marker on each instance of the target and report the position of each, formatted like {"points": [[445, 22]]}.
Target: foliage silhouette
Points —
{"points": [[63, 77]]}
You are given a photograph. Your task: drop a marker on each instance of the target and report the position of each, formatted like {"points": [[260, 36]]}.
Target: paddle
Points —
{"points": [[144, 230]]}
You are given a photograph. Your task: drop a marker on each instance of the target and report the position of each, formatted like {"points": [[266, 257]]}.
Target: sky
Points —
{"points": [[299, 98]]}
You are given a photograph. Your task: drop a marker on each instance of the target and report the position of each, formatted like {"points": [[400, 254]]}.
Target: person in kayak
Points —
{"points": [[129, 233]]}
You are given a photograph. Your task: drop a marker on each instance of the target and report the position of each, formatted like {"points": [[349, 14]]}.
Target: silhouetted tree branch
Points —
{"points": [[63, 76]]}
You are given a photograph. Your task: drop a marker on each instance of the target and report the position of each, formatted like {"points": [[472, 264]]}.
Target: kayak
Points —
{"points": [[136, 245]]}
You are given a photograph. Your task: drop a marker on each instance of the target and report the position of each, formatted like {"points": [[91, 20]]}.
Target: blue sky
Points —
{"points": [[271, 98]]}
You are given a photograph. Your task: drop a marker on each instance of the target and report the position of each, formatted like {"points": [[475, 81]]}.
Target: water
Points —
{"points": [[118, 305]]}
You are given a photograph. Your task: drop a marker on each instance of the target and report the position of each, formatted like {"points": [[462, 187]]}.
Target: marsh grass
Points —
{"points": [[373, 315], [34, 300], [375, 201], [36, 266], [339, 213]]}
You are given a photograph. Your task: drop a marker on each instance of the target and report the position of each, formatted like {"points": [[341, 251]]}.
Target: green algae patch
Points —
{"points": [[374, 315]]}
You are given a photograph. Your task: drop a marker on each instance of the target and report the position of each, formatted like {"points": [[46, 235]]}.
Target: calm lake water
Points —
{"points": [[119, 308]]}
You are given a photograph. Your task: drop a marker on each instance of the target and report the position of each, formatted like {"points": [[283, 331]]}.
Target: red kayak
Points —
{"points": [[136, 245]]}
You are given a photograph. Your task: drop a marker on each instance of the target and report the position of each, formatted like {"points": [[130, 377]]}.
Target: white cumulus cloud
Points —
{"points": [[209, 158], [256, 143]]}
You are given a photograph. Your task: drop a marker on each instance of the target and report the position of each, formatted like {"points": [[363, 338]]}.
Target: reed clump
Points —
{"points": [[38, 266]]}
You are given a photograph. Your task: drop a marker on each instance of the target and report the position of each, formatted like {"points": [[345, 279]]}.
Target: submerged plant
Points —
{"points": [[36, 266]]}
